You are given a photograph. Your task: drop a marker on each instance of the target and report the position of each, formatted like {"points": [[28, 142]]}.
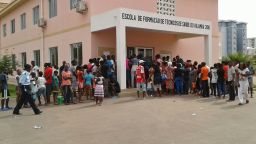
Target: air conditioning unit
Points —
{"points": [[81, 7], [41, 23]]}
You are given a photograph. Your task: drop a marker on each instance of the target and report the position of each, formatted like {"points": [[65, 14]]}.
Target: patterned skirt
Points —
{"points": [[99, 91]]}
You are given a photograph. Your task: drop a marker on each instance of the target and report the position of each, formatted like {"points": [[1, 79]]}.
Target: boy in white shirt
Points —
{"points": [[41, 88]]}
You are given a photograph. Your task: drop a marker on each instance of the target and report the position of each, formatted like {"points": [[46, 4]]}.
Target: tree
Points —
{"points": [[237, 57], [7, 64]]}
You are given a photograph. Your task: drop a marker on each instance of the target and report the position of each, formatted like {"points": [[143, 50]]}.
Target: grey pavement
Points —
{"points": [[127, 120]]}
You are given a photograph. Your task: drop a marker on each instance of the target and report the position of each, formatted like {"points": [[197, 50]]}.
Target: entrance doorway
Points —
{"points": [[146, 53]]}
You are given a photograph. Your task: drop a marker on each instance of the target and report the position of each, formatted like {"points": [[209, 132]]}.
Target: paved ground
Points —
{"points": [[168, 120]]}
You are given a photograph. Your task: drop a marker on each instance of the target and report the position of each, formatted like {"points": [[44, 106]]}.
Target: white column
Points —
{"points": [[208, 49], [121, 54]]}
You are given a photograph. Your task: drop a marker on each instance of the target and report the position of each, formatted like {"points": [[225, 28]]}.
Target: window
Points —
{"points": [[52, 8], [35, 15], [76, 52], [54, 56], [23, 59], [13, 26], [4, 30], [23, 21], [166, 7], [37, 57], [73, 3]]}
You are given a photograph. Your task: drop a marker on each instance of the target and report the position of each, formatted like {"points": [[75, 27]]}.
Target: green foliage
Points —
{"points": [[6, 64], [237, 57]]}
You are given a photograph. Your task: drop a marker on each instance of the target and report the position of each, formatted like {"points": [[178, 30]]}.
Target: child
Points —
{"points": [[150, 89], [55, 86], [41, 88], [88, 80], [80, 79], [99, 89], [33, 86]]}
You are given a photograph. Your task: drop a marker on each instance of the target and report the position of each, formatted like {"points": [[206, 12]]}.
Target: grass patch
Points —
{"points": [[12, 90]]}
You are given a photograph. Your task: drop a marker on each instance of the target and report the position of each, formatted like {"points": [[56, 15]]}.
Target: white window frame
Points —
{"points": [[37, 57], [23, 21], [79, 53], [13, 26], [23, 59], [36, 14], [4, 30], [53, 8], [54, 51]]}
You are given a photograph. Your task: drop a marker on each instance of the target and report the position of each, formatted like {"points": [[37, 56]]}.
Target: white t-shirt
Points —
{"points": [[41, 82], [214, 75], [245, 71], [231, 72], [35, 70]]}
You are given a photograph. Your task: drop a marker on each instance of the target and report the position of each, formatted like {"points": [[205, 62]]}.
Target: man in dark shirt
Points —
{"points": [[221, 80], [179, 73]]}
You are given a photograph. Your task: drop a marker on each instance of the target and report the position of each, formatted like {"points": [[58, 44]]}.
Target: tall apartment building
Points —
{"points": [[233, 37]]}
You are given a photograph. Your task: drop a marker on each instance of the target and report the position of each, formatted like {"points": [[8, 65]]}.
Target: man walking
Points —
{"points": [[26, 92]]}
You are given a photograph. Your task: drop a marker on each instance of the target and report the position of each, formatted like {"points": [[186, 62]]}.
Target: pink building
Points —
{"points": [[57, 30]]}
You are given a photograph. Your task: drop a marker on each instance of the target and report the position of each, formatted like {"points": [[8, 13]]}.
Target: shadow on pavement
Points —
{"points": [[83, 107], [126, 101], [231, 106]]}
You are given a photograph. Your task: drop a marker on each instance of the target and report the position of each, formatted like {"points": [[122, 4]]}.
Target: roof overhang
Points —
{"points": [[150, 21], [11, 6]]}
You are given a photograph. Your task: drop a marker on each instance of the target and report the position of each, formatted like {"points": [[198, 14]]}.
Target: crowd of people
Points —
{"points": [[153, 77], [179, 77]]}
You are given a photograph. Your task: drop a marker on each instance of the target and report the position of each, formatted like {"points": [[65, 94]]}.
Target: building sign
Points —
{"points": [[164, 21]]}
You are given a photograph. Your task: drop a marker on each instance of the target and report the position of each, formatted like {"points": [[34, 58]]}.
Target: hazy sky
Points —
{"points": [[239, 10]]}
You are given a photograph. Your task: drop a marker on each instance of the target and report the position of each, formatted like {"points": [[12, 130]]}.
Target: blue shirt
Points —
{"points": [[88, 79], [24, 78]]}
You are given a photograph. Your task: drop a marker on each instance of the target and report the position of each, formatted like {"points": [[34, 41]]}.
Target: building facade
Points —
{"points": [[57, 30], [251, 42], [251, 46], [233, 37]]}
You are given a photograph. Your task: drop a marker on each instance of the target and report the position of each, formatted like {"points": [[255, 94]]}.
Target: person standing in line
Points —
{"points": [[140, 79], [230, 83], [186, 79], [221, 81], [74, 82], [80, 78], [157, 78], [134, 61], [214, 79], [128, 65], [204, 78], [55, 86], [99, 89], [41, 88], [88, 82], [35, 68], [48, 77], [4, 89], [250, 78], [26, 92], [66, 84], [179, 73], [243, 84]]}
